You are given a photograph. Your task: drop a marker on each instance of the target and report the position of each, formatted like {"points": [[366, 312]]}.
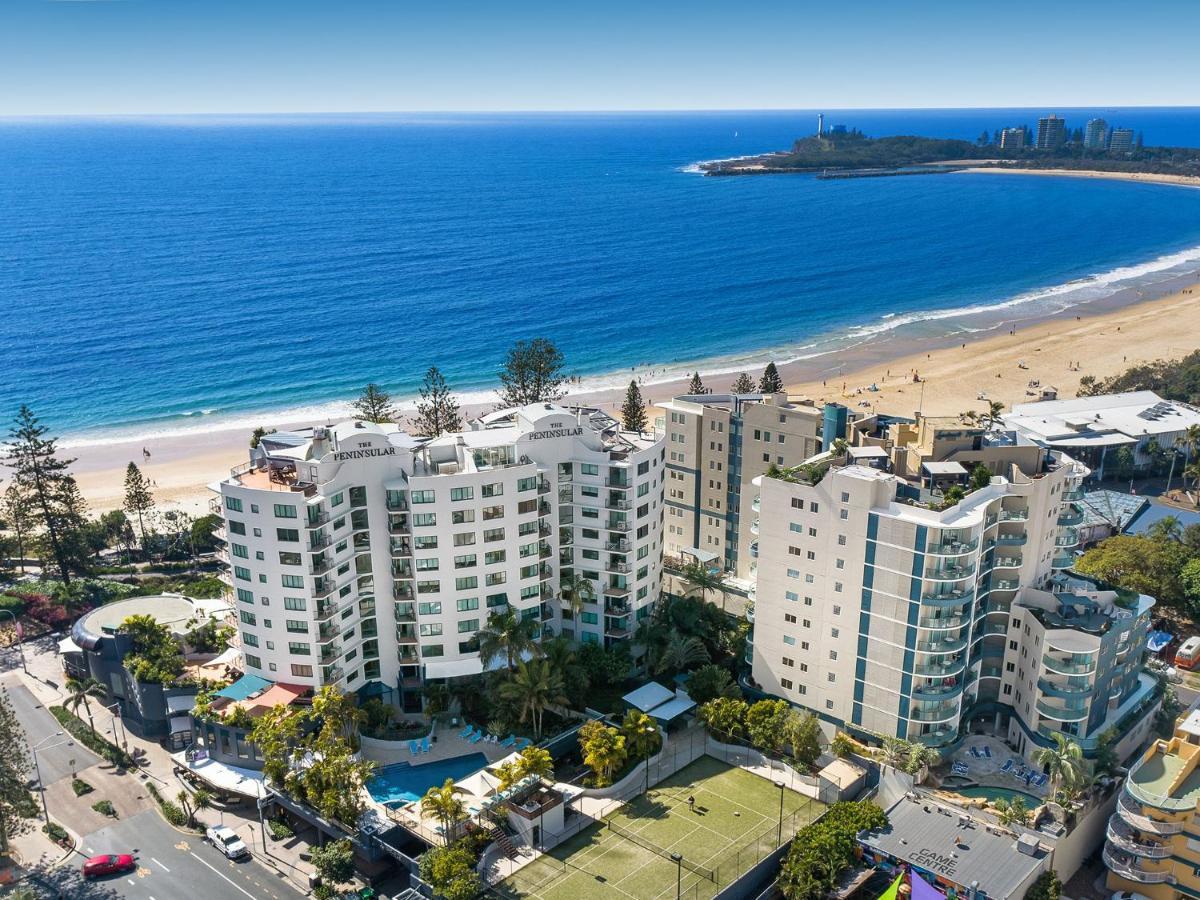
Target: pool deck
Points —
{"points": [[988, 771]]}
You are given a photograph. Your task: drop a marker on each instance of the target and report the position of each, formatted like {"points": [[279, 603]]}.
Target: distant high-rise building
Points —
{"points": [[1051, 133], [1121, 140], [1012, 139], [1095, 136]]}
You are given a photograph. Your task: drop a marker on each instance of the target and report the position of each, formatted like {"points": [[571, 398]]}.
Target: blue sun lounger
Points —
{"points": [[476, 737], [466, 732], [412, 747], [424, 745], [508, 741]]}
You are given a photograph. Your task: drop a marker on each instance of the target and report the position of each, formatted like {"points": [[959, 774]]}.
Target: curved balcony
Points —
{"points": [[1131, 811], [949, 670], [1014, 515], [948, 600], [1062, 713], [1071, 689], [949, 573], [942, 622], [1126, 867], [1126, 838], [754, 527], [1005, 584], [756, 503], [952, 548], [943, 712], [753, 555], [1068, 538], [1072, 666], [1072, 516], [941, 646], [1147, 797], [937, 691], [1007, 562], [935, 738], [1062, 562], [1011, 540], [750, 613]]}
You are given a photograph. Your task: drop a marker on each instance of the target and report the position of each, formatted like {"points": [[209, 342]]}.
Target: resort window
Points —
{"points": [[424, 520], [493, 490], [528, 593], [293, 581], [494, 578], [470, 583], [494, 600], [589, 618], [242, 573], [425, 543], [524, 507], [462, 493], [296, 604], [591, 554], [589, 490], [527, 484], [233, 503], [422, 496], [428, 587], [464, 539], [589, 513], [302, 671], [254, 508], [291, 535], [529, 571], [589, 469], [430, 608], [525, 529], [339, 523], [297, 626], [468, 626], [643, 468], [289, 559], [245, 596], [337, 499], [590, 534], [236, 527], [528, 550], [494, 556], [431, 650], [467, 604], [250, 640], [248, 618], [462, 516], [285, 511], [241, 551], [253, 661], [497, 512], [428, 564], [298, 649], [431, 629]]}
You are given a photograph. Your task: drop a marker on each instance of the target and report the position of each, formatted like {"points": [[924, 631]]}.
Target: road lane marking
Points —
{"points": [[91, 851], [160, 865], [232, 883]]}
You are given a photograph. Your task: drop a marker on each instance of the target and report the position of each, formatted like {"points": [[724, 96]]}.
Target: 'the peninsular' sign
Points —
{"points": [[555, 433], [343, 455]]}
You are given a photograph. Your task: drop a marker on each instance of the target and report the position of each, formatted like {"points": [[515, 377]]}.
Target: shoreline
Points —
{"points": [[1103, 337], [1137, 177]]}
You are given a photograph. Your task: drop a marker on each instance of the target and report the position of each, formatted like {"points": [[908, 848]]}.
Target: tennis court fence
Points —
{"points": [[634, 838]]}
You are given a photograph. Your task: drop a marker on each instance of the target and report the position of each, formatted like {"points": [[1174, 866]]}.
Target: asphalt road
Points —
{"points": [[55, 759]]}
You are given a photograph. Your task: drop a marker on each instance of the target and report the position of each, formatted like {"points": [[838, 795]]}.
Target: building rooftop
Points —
{"points": [[1114, 508], [1168, 773], [173, 610], [1106, 420], [955, 846]]}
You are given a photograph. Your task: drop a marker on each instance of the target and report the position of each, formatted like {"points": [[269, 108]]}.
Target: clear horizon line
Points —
{"points": [[559, 111]]}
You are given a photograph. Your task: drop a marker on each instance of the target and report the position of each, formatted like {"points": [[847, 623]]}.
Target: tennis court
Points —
{"points": [[734, 824]]}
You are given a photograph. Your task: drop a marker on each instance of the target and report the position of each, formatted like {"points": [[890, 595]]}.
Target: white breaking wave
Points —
{"points": [[1045, 301]]}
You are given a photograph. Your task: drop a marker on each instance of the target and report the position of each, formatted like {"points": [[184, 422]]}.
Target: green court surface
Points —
{"points": [[735, 823]]}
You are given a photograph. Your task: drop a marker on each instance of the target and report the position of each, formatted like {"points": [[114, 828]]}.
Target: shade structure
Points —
{"points": [[923, 890], [893, 889]]}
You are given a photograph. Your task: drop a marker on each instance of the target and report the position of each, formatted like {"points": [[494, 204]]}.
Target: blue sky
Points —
{"points": [[185, 56]]}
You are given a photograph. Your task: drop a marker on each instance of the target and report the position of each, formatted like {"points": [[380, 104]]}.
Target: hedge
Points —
{"points": [[79, 730], [170, 811]]}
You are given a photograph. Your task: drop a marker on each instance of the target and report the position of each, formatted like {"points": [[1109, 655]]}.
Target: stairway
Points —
{"points": [[501, 840]]}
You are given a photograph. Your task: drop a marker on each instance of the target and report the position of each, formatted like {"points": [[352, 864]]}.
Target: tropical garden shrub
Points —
{"points": [[820, 852]]}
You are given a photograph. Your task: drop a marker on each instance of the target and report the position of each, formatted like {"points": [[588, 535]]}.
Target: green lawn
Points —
{"points": [[735, 824]]}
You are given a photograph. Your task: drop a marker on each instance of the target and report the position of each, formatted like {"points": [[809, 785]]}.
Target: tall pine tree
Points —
{"points": [[18, 516], [633, 411], [532, 373], [744, 384], [374, 404], [437, 411], [44, 478], [696, 386], [770, 383], [139, 502]]}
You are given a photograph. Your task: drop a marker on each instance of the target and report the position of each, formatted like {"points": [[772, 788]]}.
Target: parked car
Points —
{"points": [[224, 839], [108, 864]]}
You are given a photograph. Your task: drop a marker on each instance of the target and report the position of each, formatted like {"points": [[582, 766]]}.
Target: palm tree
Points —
{"points": [[1011, 812], [534, 761], [507, 635], [919, 757], [444, 805], [641, 734], [1192, 474], [651, 635], [1168, 528], [1063, 762], [894, 752], [701, 579], [992, 416], [682, 653], [533, 688], [576, 591], [78, 692]]}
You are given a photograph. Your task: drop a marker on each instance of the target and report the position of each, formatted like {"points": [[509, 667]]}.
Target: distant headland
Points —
{"points": [[841, 152]]}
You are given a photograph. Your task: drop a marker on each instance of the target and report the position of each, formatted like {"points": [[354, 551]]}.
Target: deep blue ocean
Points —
{"points": [[159, 274]]}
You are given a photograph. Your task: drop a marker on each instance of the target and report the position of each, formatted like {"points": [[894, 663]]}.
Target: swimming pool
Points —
{"points": [[405, 783], [999, 793]]}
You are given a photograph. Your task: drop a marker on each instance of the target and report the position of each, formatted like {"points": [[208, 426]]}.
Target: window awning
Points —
{"points": [[224, 777], [180, 724], [183, 704]]}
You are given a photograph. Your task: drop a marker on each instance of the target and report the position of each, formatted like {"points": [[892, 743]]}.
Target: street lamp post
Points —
{"points": [[17, 633], [262, 824], [648, 730], [124, 737], [678, 860], [779, 838], [38, 769]]}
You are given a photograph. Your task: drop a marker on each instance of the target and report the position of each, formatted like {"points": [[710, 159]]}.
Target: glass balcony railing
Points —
{"points": [[1072, 665]]}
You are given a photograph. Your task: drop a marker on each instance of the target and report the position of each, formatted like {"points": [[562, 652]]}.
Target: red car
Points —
{"points": [[108, 864]]}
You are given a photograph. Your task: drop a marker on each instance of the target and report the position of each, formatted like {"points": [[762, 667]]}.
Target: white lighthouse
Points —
{"points": [[820, 124]]}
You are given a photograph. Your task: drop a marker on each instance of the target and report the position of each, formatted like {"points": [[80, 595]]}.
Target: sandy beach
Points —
{"points": [[1056, 352], [1142, 177]]}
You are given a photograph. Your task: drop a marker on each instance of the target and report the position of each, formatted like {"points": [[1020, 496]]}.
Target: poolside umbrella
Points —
{"points": [[923, 890], [893, 890]]}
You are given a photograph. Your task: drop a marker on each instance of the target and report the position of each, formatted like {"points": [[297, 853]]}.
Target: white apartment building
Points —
{"points": [[361, 555], [716, 445], [901, 593]]}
